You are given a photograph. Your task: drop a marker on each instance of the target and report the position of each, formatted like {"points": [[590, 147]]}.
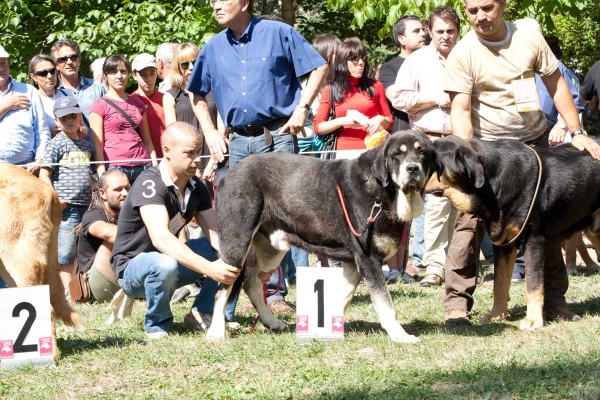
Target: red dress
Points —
{"points": [[353, 138]]}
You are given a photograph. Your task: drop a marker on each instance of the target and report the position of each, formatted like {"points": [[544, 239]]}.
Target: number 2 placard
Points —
{"points": [[319, 304], [25, 327]]}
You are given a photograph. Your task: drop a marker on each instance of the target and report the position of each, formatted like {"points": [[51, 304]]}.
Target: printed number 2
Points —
{"points": [[320, 289], [19, 346]]}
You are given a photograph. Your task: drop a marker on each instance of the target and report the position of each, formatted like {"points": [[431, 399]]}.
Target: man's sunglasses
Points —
{"points": [[72, 57], [355, 59], [45, 72]]}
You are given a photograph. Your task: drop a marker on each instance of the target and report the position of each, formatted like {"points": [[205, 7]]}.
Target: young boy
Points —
{"points": [[66, 167]]}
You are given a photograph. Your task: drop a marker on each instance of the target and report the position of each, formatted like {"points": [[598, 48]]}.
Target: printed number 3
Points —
{"points": [[19, 346], [150, 186]]}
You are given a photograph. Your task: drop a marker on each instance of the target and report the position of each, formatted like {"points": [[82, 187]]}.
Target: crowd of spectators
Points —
{"points": [[256, 87]]}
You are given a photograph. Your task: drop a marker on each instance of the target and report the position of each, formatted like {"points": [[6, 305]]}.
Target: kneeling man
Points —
{"points": [[148, 258]]}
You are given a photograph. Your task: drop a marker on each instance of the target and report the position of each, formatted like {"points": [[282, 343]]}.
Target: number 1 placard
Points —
{"points": [[25, 327], [319, 304]]}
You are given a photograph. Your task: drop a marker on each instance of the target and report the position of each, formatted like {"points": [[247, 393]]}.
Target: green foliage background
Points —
{"points": [[128, 27]]}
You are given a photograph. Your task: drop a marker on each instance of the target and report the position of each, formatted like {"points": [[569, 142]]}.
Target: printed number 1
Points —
{"points": [[19, 346], [319, 288]]}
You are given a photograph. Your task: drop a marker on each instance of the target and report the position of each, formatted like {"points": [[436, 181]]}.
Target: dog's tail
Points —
{"points": [[60, 305]]}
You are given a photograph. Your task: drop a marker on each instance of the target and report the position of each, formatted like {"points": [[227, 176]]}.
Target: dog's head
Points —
{"points": [[406, 159], [460, 171]]}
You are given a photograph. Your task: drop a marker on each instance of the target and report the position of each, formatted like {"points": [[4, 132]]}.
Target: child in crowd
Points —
{"points": [[67, 168]]}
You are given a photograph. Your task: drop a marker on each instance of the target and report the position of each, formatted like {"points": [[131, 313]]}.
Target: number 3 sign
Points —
{"points": [[25, 327], [319, 304]]}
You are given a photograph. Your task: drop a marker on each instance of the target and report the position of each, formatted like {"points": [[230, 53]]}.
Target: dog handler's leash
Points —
{"points": [[537, 187], [370, 219]]}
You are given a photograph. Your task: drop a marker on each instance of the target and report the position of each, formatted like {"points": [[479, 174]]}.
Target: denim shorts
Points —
{"points": [[67, 238]]}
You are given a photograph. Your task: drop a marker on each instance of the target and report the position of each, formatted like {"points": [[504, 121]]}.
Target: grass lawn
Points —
{"points": [[495, 361]]}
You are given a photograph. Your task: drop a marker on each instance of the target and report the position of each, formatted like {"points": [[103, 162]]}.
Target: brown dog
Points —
{"points": [[29, 222]]}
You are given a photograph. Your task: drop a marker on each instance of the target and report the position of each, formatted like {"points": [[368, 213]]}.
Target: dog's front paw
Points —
{"points": [[405, 338], [215, 335], [493, 317], [531, 324], [274, 324]]}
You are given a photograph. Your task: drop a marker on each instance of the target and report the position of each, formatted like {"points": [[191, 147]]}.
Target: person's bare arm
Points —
{"points": [[103, 230], [97, 127], [460, 115], [314, 84], [216, 142], [156, 219], [559, 91], [147, 139], [169, 109]]}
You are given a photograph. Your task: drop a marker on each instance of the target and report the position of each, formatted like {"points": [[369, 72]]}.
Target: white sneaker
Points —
{"points": [[157, 335]]}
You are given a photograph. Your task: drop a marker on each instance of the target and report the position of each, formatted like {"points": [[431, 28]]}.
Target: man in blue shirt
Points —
{"points": [[253, 69], [23, 125]]}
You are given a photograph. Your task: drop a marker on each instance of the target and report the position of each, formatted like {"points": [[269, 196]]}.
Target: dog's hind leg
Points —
{"points": [[595, 240], [382, 301], [535, 262], [504, 261], [267, 259], [351, 279]]}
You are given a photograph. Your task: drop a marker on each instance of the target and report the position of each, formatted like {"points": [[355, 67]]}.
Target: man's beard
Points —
{"points": [[115, 207]]}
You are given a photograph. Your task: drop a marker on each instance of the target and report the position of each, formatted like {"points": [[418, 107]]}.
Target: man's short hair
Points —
{"points": [[447, 14], [400, 26], [60, 43], [164, 52]]}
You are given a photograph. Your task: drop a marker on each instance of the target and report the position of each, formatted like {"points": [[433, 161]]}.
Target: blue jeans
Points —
{"points": [[67, 238], [132, 171], [295, 258], [155, 276], [244, 145], [418, 245]]}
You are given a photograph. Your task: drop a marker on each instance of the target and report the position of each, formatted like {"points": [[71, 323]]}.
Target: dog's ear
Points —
{"points": [[473, 165], [379, 169], [438, 167]]}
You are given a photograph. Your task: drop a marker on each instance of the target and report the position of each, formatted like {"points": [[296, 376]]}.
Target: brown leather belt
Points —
{"points": [[257, 129]]}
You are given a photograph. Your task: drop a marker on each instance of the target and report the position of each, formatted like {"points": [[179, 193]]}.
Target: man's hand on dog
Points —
{"points": [[584, 142], [217, 144], [556, 135], [223, 272], [295, 124]]}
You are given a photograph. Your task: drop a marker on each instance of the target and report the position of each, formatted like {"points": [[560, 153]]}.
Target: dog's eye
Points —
{"points": [[422, 152]]}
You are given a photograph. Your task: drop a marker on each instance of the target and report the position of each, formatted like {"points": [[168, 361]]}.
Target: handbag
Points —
{"points": [[124, 114], [79, 288], [327, 142]]}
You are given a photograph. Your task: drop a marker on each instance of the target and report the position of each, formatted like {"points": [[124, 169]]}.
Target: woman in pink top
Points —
{"points": [[353, 90], [114, 137]]}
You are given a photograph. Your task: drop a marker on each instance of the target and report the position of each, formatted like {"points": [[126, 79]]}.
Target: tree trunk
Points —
{"points": [[288, 12]]}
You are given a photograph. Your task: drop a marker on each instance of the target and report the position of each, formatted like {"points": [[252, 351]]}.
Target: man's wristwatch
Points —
{"points": [[304, 105], [578, 132]]}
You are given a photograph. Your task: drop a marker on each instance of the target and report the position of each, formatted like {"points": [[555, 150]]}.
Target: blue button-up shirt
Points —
{"points": [[24, 133], [547, 103], [254, 79]]}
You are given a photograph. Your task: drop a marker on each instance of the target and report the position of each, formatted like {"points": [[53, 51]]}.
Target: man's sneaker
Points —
{"points": [[517, 277], [457, 318], [180, 294], [560, 313], [156, 335], [386, 271], [279, 307], [431, 280], [394, 275]]}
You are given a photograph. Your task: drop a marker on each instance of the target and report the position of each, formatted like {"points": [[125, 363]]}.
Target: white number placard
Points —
{"points": [[25, 327], [319, 304]]}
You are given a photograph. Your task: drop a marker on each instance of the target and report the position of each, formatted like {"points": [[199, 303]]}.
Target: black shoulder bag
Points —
{"points": [[124, 114], [330, 140]]}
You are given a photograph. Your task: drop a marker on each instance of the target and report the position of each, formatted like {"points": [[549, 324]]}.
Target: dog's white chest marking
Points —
{"points": [[279, 240], [386, 244], [409, 206]]}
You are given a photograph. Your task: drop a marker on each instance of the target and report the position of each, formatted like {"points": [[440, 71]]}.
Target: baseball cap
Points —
{"points": [[3, 53], [142, 61], [65, 106]]}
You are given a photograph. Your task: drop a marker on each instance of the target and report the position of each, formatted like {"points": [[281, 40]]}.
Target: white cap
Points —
{"points": [[3, 53], [142, 61]]}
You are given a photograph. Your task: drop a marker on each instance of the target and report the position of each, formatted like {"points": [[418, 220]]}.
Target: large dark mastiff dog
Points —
{"points": [[497, 181], [273, 201]]}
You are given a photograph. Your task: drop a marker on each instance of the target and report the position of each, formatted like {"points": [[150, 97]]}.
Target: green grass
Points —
{"points": [[495, 361]]}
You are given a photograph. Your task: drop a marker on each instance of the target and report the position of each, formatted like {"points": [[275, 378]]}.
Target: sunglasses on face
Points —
{"points": [[68, 117], [356, 59], [72, 57], [45, 72], [186, 65]]}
